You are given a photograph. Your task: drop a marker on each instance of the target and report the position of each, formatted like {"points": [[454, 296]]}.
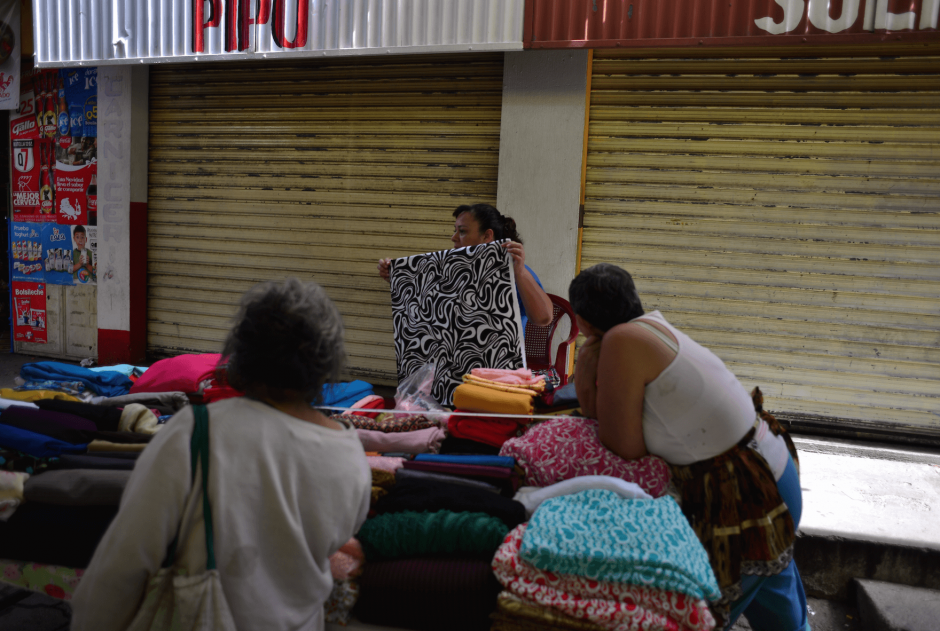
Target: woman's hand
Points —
{"points": [[384, 268], [518, 255], [538, 306], [585, 376]]}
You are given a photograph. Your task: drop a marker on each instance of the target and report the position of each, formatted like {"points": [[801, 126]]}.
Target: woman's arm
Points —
{"points": [[538, 306], [134, 546], [585, 376], [623, 370]]}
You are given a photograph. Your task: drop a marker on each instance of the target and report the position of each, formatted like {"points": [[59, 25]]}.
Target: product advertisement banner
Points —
{"points": [[24, 134], [57, 254], [9, 54], [26, 251], [29, 312], [74, 194], [84, 262], [54, 149]]}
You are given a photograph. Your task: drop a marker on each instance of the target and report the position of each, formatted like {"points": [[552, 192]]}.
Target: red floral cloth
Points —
{"points": [[568, 447], [616, 606]]}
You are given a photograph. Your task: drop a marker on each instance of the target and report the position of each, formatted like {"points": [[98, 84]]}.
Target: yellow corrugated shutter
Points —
{"points": [[784, 212], [316, 170]]}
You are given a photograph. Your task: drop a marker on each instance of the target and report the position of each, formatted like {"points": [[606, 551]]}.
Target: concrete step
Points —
{"points": [[869, 512], [886, 606]]}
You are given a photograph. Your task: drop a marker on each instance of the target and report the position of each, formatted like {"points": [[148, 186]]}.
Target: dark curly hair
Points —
{"points": [[488, 218], [287, 339], [605, 296]]}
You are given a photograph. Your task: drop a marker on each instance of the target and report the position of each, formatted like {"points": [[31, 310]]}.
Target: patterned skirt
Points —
{"points": [[733, 505]]}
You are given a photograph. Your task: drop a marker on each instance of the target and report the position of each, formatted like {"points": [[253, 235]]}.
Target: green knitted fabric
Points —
{"points": [[395, 535]]}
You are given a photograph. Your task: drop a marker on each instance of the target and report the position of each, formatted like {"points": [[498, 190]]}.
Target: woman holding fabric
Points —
{"points": [[287, 486], [482, 223], [654, 390]]}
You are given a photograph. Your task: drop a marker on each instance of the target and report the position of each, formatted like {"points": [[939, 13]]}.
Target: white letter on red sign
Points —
{"points": [[792, 14], [819, 15]]}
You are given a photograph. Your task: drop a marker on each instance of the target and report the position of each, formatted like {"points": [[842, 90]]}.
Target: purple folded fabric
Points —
{"points": [[420, 441], [42, 417], [459, 469]]}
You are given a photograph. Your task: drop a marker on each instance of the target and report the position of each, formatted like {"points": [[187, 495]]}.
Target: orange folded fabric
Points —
{"points": [[499, 386], [476, 398]]}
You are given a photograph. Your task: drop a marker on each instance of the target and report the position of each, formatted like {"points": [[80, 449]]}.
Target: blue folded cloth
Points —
{"points": [[601, 536], [343, 395], [486, 461], [36, 445], [125, 369], [104, 383]]}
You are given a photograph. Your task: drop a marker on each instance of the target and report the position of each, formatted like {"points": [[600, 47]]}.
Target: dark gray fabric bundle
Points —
{"points": [[77, 487]]}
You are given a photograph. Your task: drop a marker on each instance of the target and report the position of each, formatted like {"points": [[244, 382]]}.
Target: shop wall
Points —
{"points": [[53, 235], [540, 154]]}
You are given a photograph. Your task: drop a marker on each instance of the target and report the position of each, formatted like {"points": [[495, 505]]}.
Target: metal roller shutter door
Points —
{"points": [[260, 171], [785, 212]]}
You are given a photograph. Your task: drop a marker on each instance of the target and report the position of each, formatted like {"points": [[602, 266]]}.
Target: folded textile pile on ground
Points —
{"points": [[76, 457], [428, 543], [494, 391], [616, 563]]}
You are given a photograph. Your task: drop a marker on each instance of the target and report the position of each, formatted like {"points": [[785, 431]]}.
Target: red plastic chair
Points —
{"points": [[538, 339]]}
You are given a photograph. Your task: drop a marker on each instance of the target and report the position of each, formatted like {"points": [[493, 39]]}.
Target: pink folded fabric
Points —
{"points": [[459, 469], [568, 447], [183, 373], [420, 441], [520, 376], [618, 606], [347, 561], [384, 463]]}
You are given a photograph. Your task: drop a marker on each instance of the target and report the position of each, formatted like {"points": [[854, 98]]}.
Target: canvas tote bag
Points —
{"points": [[173, 600]]}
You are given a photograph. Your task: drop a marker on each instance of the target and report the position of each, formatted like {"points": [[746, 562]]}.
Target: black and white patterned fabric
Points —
{"points": [[459, 309]]}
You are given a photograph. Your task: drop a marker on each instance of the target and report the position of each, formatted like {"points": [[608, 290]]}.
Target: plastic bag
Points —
{"points": [[414, 394]]}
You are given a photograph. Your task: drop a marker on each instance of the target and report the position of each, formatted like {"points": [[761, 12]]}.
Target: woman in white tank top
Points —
{"points": [[655, 390]]}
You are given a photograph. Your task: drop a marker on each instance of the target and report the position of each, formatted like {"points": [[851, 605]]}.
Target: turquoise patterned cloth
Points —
{"points": [[599, 535]]}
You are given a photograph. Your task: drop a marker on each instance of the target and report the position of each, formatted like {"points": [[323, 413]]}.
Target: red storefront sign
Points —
{"points": [[640, 23]]}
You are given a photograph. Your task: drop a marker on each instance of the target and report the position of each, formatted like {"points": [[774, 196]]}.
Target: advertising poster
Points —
{"points": [[9, 54], [73, 188], [84, 262], [26, 252], [25, 153], [57, 254], [29, 312]]}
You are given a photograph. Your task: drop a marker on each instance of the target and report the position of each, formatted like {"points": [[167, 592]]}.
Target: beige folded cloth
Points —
{"points": [[137, 418], [11, 492], [106, 445]]}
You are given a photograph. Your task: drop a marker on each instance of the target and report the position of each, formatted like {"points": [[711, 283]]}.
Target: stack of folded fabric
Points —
{"points": [[428, 547], [77, 459], [72, 460], [493, 391], [595, 557], [46, 380]]}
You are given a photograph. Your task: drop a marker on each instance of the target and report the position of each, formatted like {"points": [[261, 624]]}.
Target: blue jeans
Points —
{"points": [[776, 603]]}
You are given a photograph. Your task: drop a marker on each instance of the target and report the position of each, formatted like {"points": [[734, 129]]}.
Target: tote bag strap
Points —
{"points": [[198, 452]]}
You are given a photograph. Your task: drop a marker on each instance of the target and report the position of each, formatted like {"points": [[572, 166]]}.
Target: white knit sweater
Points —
{"points": [[285, 495]]}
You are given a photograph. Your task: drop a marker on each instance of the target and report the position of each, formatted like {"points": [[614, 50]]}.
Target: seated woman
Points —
{"points": [[482, 223], [654, 390], [287, 485]]}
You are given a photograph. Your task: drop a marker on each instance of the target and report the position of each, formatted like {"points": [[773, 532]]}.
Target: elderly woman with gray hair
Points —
{"points": [[288, 486]]}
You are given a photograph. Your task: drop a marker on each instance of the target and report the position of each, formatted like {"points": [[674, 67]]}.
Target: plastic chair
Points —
{"points": [[538, 340]]}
